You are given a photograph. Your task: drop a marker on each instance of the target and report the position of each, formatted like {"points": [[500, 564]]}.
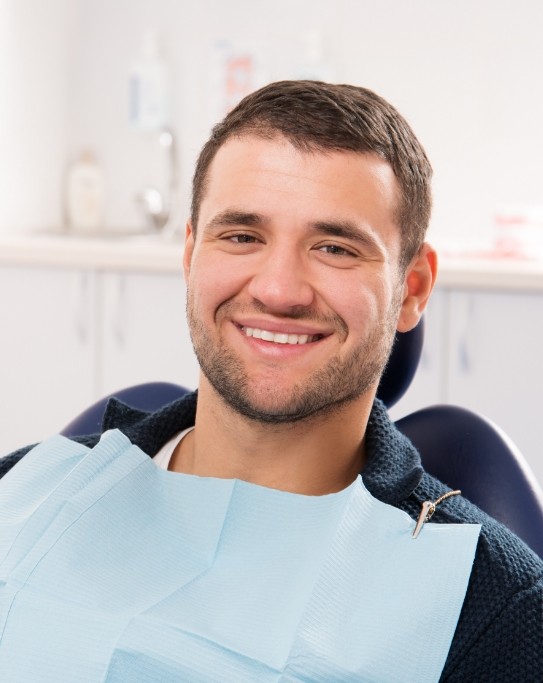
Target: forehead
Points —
{"points": [[272, 176]]}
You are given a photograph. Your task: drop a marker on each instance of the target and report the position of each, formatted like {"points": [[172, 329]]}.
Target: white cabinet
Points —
{"points": [[495, 363], [47, 350], [144, 332], [72, 336]]}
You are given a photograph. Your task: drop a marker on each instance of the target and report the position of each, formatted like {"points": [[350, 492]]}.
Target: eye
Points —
{"points": [[240, 242], [242, 238], [335, 250]]}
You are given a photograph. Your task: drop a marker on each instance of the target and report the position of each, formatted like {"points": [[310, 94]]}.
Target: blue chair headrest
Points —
{"points": [[402, 365]]}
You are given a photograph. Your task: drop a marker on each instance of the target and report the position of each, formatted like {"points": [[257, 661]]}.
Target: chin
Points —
{"points": [[305, 406]]}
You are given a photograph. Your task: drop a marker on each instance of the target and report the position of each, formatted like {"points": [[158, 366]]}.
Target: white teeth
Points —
{"points": [[279, 337]]}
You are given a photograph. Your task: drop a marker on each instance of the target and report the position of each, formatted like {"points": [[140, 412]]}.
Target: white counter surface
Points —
{"points": [[491, 272], [142, 253], [149, 253]]}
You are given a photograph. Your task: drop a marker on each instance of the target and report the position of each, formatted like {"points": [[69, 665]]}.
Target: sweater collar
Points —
{"points": [[392, 471]]}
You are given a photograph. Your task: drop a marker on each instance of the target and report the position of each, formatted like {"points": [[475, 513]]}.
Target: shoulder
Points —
{"points": [[499, 635], [502, 558], [8, 462], [149, 430]]}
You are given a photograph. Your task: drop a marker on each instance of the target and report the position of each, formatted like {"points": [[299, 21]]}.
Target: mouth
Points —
{"points": [[281, 337]]}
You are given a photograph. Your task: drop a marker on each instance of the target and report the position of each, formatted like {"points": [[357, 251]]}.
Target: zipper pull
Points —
{"points": [[428, 509]]}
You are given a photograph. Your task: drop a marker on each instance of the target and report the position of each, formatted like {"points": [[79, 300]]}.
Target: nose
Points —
{"points": [[282, 281]]}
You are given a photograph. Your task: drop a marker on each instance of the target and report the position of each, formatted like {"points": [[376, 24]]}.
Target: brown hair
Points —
{"points": [[317, 116]]}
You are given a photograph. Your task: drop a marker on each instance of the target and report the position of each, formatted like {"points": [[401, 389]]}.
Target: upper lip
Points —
{"points": [[282, 327]]}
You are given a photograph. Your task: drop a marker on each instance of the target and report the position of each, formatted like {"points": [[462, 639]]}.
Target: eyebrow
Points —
{"points": [[347, 230], [233, 217]]}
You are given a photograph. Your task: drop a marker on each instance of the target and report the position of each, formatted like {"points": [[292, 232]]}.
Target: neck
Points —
{"points": [[316, 456]]}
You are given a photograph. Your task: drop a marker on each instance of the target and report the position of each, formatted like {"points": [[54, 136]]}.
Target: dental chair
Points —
{"points": [[148, 396], [461, 448]]}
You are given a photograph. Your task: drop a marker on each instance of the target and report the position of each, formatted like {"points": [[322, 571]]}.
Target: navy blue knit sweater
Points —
{"points": [[499, 637]]}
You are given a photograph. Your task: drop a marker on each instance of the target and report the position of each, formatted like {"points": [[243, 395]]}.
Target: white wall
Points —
{"points": [[34, 62], [466, 75]]}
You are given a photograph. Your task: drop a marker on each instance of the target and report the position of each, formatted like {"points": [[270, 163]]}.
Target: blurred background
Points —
{"points": [[108, 102], [467, 76]]}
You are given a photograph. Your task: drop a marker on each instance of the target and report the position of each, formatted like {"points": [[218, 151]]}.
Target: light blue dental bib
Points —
{"points": [[114, 571]]}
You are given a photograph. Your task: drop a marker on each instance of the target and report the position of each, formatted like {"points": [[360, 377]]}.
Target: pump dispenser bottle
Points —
{"points": [[150, 87]]}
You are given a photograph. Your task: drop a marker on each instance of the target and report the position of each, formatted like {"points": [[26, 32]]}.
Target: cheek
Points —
{"points": [[212, 281], [360, 303]]}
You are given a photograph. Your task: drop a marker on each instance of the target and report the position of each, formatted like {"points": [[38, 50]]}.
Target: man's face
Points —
{"points": [[293, 279]]}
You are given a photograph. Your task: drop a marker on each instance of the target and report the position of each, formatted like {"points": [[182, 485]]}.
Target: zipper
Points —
{"points": [[428, 509]]}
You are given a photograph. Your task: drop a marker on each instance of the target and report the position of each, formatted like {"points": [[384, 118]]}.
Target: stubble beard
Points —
{"points": [[324, 392]]}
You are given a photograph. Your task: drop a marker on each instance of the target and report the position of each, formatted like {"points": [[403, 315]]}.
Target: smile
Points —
{"points": [[280, 337]]}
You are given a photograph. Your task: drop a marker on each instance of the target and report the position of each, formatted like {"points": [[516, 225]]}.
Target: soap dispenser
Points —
{"points": [[150, 92]]}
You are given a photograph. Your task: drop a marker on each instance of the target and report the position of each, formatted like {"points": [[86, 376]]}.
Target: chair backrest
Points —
{"points": [[402, 365], [469, 452], [147, 396]]}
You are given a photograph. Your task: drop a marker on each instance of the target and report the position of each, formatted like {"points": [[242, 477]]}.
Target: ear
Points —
{"points": [[189, 248], [418, 283]]}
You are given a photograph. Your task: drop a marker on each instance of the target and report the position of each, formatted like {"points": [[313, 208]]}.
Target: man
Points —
{"points": [[261, 555]]}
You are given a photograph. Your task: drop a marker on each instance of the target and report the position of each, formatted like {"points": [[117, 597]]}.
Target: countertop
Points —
{"points": [[154, 254], [490, 271], [139, 253]]}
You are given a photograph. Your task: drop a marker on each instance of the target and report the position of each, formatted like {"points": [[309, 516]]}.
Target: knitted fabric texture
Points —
{"points": [[499, 636]]}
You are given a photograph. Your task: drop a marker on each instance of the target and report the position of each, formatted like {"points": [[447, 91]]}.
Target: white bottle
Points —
{"points": [[150, 96], [85, 194]]}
